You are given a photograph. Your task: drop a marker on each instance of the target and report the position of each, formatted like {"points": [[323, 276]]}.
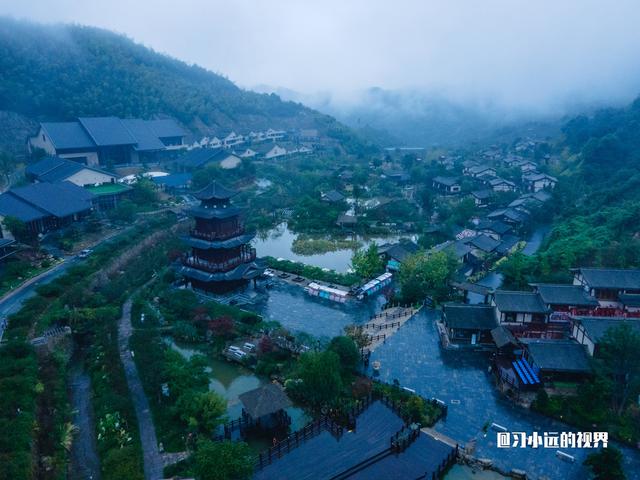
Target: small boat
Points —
{"points": [[376, 365]]}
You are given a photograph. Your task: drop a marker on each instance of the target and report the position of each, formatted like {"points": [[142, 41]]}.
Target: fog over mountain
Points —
{"points": [[459, 63]]}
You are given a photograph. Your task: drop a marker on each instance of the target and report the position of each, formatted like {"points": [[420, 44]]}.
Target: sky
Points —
{"points": [[516, 53]]}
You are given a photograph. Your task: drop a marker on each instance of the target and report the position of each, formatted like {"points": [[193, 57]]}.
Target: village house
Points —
{"points": [[57, 169], [511, 160], [394, 254], [589, 330], [494, 228], [501, 185], [469, 324], [271, 152], [43, 207], [332, 196], [446, 185], [246, 153], [534, 182], [467, 165], [346, 220], [107, 140], [568, 299], [516, 217], [630, 304], [508, 245], [203, 157], [232, 140], [519, 308], [557, 360], [481, 170], [459, 249], [215, 142], [275, 135], [526, 166], [482, 246], [606, 285], [482, 198]]}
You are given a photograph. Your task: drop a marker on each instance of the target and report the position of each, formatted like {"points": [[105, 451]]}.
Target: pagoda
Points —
{"points": [[221, 257]]}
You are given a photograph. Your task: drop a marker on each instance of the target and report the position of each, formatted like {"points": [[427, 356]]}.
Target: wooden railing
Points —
{"points": [[247, 256], [219, 234], [381, 326]]}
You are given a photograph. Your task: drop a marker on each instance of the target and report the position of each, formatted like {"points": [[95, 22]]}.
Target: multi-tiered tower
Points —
{"points": [[221, 257]]}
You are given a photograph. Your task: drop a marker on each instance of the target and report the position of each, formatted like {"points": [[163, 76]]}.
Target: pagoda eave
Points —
{"points": [[211, 213], [245, 271]]}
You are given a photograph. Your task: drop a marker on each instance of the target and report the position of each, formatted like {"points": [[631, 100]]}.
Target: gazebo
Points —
{"points": [[266, 405]]}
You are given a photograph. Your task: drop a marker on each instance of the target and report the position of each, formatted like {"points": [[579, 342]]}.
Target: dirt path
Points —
{"points": [[153, 462], [85, 463]]}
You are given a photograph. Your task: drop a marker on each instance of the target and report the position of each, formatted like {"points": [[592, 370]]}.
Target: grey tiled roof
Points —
{"points": [[524, 302], [67, 135], [166, 128], [553, 294], [558, 355], [56, 169], [611, 278], [596, 327], [40, 200], [264, 400], [481, 317], [146, 138], [214, 190], [107, 131]]}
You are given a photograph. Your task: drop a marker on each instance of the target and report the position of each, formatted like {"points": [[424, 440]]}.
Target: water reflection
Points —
{"points": [[279, 241], [230, 380]]}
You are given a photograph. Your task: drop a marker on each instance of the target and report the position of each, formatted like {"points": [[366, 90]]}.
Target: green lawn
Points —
{"points": [[108, 189]]}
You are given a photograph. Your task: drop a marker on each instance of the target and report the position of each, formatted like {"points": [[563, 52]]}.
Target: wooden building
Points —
{"points": [[221, 257], [469, 324]]}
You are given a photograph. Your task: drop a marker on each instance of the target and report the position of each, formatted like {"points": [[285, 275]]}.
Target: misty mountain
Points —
{"points": [[416, 118], [59, 72]]}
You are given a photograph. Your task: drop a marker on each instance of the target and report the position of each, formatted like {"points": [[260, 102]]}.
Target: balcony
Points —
{"points": [[218, 235], [215, 267]]}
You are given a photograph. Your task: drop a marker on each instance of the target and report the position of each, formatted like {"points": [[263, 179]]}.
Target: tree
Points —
{"points": [[17, 228], [321, 382], [367, 263], [515, 270], [124, 212], [606, 464], [201, 411], [222, 326], [619, 350], [225, 460], [347, 351], [426, 274]]}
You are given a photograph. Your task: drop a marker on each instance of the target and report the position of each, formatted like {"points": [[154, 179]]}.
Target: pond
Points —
{"points": [[299, 312], [230, 380], [278, 242]]}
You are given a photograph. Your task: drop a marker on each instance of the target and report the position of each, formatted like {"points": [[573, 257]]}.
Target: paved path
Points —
{"points": [[85, 463], [12, 301], [153, 462]]}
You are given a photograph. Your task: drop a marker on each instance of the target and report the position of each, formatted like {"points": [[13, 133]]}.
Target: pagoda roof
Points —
{"points": [[214, 191], [244, 271], [228, 243]]}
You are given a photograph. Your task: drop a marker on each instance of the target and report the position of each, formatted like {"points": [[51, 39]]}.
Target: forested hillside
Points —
{"points": [[597, 201], [65, 71]]}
